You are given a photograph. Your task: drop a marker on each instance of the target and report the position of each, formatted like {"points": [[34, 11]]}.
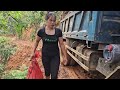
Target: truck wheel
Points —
{"points": [[69, 61]]}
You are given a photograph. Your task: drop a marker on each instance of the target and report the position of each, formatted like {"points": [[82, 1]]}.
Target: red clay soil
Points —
{"points": [[22, 56]]}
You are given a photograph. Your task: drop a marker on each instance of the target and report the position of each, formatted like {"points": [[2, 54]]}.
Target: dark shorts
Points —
{"points": [[51, 65]]}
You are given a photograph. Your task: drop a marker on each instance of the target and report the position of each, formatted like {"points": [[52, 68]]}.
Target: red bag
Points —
{"points": [[34, 71]]}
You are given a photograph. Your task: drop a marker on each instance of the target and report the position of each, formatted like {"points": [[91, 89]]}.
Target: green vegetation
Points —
{"points": [[16, 74], [14, 22], [6, 49]]}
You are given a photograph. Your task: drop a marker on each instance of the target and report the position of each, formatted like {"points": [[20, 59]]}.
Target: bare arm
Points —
{"points": [[62, 46], [36, 45]]}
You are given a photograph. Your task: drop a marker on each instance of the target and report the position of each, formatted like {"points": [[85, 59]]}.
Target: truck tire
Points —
{"points": [[70, 61]]}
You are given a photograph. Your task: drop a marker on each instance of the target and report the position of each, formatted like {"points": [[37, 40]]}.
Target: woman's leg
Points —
{"points": [[47, 77], [54, 64], [46, 64]]}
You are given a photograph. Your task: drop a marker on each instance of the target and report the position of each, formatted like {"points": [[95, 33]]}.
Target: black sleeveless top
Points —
{"points": [[50, 42]]}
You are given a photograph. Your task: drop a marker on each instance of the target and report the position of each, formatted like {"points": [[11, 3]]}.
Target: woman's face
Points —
{"points": [[51, 21]]}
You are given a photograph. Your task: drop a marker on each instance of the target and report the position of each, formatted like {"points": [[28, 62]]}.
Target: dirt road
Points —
{"points": [[22, 56]]}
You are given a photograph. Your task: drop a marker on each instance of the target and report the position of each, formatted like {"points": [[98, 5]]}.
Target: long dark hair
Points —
{"points": [[49, 14]]}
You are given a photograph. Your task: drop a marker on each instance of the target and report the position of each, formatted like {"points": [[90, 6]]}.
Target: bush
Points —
{"points": [[6, 49], [16, 74], [1, 68]]}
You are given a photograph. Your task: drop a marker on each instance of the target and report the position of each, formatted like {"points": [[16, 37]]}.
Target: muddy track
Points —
{"points": [[22, 56]]}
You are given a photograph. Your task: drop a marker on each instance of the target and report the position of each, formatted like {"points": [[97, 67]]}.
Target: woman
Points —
{"points": [[50, 50]]}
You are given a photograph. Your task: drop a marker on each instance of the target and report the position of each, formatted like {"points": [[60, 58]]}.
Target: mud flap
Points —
{"points": [[115, 74], [110, 71]]}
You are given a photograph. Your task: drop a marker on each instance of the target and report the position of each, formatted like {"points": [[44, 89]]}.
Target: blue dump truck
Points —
{"points": [[93, 41]]}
